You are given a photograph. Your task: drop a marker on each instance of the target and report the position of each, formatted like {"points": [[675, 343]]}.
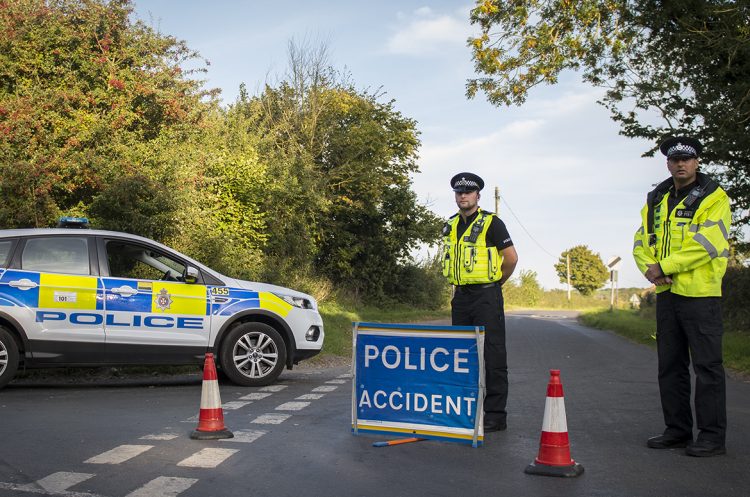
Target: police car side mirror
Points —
{"points": [[191, 275]]}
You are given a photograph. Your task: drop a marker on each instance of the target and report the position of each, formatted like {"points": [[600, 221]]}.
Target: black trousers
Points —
{"points": [[476, 306], [691, 327]]}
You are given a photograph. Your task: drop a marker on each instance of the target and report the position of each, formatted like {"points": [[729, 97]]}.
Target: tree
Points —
{"points": [[523, 290], [340, 205], [82, 89], [587, 271], [686, 62]]}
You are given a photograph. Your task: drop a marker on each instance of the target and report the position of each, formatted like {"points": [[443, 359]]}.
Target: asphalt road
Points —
{"points": [[131, 438]]}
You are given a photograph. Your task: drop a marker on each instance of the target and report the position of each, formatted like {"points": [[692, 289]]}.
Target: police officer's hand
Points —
{"points": [[662, 281], [655, 275]]}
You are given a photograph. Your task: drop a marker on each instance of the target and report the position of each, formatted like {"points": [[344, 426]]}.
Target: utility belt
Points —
{"points": [[468, 288]]}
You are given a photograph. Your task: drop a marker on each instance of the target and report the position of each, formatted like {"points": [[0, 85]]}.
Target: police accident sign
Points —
{"points": [[419, 380]]}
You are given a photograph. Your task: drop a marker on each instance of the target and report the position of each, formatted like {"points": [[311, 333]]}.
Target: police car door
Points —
{"points": [[51, 290], [152, 315]]}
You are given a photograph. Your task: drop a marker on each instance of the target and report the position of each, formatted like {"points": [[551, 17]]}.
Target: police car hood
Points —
{"points": [[279, 290]]}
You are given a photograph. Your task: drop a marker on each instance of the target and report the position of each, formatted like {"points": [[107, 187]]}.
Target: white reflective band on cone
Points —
{"points": [[554, 415], [210, 395]]}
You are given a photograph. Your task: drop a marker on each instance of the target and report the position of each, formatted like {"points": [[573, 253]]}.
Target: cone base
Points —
{"points": [[211, 435], [571, 471]]}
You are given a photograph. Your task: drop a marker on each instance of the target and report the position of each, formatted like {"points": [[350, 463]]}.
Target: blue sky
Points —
{"points": [[558, 160]]}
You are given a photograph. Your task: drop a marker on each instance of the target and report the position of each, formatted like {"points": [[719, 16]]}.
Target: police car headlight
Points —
{"points": [[300, 302]]}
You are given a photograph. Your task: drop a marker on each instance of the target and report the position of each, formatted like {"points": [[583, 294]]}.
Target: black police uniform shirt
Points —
{"points": [[497, 233]]}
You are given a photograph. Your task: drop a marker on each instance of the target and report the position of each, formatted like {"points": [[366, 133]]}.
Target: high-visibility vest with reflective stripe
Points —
{"points": [[467, 262], [691, 244]]}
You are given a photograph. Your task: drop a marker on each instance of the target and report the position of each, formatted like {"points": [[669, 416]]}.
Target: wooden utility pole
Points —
{"points": [[497, 200], [567, 258]]}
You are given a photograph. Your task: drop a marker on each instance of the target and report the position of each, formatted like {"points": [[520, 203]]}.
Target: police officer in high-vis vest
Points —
{"points": [[682, 247], [478, 257]]}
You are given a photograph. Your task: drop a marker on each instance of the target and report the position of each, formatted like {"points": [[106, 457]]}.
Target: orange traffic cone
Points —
{"points": [[554, 448], [211, 417]]}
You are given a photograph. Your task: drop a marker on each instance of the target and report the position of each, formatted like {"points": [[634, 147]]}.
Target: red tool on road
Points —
{"points": [[397, 442]]}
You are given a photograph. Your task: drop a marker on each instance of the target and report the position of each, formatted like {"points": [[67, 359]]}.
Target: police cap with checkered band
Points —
{"points": [[466, 182], [681, 147]]}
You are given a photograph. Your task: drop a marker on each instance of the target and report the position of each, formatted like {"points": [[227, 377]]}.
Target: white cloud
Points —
{"points": [[425, 32]]}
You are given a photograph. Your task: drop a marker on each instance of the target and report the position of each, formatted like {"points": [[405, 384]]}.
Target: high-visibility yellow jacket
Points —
{"points": [[468, 260], [691, 243]]}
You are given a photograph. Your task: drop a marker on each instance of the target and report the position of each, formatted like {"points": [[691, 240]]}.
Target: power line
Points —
{"points": [[527, 231]]}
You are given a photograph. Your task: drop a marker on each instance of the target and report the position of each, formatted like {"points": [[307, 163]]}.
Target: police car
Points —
{"points": [[80, 297]]}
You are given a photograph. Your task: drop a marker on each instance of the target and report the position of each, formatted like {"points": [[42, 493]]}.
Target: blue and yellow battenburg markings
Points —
{"points": [[238, 300], [151, 305], [15, 296]]}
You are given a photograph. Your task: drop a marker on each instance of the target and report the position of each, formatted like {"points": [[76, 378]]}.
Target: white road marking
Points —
{"points": [[310, 396], [325, 388], [163, 486], [160, 436], [36, 490], [119, 454], [292, 406], [272, 388], [255, 396], [207, 458], [245, 436], [347, 375], [271, 419], [230, 406], [56, 482], [192, 419], [337, 382]]}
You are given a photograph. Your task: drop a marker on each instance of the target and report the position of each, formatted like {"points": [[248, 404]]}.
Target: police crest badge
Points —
{"points": [[163, 300]]}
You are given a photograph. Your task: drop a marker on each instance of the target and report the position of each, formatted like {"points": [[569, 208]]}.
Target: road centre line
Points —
{"points": [[119, 454], [255, 396], [245, 436], [325, 388], [230, 406], [292, 406], [160, 436], [164, 486], [55, 483], [31, 488], [271, 419], [207, 458], [272, 388], [310, 396]]}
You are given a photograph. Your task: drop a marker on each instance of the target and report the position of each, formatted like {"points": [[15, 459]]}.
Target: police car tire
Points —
{"points": [[254, 330], [8, 357]]}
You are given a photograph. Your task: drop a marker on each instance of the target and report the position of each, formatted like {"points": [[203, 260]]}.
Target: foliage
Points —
{"points": [[341, 161], [523, 290], [307, 183], [685, 62], [419, 285], [80, 87], [736, 295], [587, 271]]}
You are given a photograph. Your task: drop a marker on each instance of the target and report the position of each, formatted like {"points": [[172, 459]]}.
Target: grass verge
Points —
{"points": [[338, 319], [642, 329]]}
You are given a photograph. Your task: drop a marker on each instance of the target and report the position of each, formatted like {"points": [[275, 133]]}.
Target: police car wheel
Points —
{"points": [[253, 354], [8, 357]]}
